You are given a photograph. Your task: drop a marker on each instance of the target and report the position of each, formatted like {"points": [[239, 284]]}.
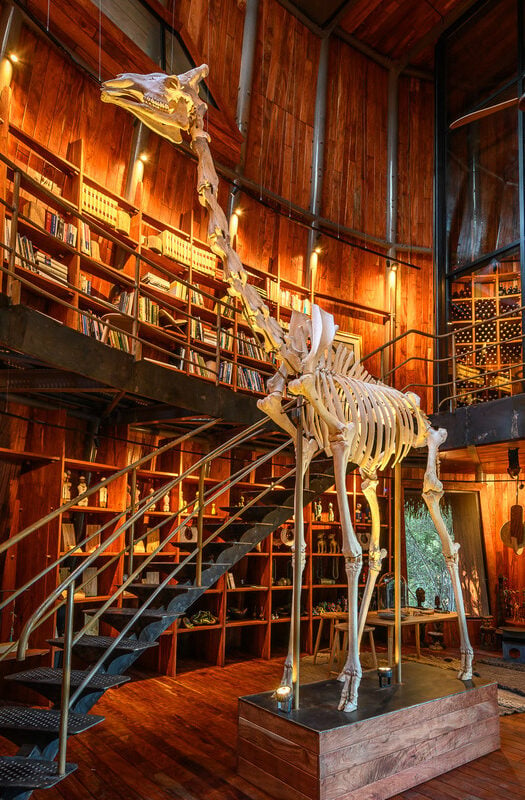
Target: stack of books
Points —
{"points": [[58, 227], [248, 346], [249, 379], [156, 281], [92, 326], [176, 248], [226, 372], [51, 268]]}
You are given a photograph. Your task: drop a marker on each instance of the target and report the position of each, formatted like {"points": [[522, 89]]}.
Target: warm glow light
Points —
{"points": [[234, 223], [13, 58], [283, 692], [143, 157]]}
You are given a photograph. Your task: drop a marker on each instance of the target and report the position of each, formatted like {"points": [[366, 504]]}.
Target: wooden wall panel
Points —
{"points": [[496, 499], [283, 104], [216, 29], [356, 126], [58, 103]]}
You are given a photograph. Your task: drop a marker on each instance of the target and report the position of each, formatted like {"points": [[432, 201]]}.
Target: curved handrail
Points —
{"points": [[14, 540], [144, 505]]}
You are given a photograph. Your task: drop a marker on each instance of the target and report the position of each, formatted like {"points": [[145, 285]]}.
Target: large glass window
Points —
{"points": [[482, 200], [479, 199]]}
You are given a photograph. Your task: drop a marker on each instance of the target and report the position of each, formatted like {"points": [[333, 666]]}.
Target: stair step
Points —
{"points": [[91, 647], [30, 773], [43, 720], [48, 676], [166, 594]]}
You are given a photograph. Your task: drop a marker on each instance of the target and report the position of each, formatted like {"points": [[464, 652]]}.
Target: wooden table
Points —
{"points": [[416, 620]]}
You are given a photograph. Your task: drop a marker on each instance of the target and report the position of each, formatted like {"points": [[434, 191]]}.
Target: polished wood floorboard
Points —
{"points": [[176, 738]]}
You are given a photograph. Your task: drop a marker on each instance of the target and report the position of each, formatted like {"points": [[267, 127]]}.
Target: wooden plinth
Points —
{"points": [[398, 738]]}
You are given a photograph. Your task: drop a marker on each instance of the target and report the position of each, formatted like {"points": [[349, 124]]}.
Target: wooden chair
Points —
{"points": [[333, 617], [339, 648]]}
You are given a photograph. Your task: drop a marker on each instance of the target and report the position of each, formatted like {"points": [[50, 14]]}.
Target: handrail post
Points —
{"points": [[13, 287], [453, 399], [137, 346], [298, 554], [133, 490], [382, 364], [66, 679], [200, 520]]}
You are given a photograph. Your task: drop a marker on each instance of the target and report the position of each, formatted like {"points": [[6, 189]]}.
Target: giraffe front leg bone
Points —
{"points": [[432, 494], [375, 553]]}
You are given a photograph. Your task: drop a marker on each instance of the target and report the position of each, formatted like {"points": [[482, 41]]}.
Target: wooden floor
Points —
{"points": [[176, 738]]}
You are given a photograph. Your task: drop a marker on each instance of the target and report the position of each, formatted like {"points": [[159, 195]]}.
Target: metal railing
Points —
{"points": [[64, 593], [466, 381]]}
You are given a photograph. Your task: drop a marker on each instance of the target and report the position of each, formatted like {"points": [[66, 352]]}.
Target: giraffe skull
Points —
{"points": [[168, 104]]}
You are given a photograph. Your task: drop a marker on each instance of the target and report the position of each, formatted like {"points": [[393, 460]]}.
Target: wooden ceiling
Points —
{"points": [[489, 459], [402, 30]]}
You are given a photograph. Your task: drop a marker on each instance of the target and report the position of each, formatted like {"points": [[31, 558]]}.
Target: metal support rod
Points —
{"points": [[397, 573], [298, 555], [12, 291], [244, 94], [454, 372], [66, 679], [318, 150], [200, 518], [133, 492], [392, 199]]}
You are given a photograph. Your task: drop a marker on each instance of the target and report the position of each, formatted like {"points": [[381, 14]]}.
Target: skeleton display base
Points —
{"points": [[399, 736]]}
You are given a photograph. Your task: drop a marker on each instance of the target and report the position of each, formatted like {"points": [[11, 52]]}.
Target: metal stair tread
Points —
{"points": [[30, 773], [45, 720], [154, 614], [126, 645], [53, 677]]}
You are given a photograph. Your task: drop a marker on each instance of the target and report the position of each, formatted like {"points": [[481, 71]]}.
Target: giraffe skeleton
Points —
{"points": [[348, 414]]}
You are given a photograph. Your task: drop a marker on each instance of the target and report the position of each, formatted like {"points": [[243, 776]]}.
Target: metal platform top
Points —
{"points": [[318, 701]]}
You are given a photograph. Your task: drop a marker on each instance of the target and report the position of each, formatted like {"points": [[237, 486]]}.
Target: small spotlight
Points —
{"points": [[238, 212], [317, 250], [143, 157], [284, 697], [13, 58], [393, 266]]}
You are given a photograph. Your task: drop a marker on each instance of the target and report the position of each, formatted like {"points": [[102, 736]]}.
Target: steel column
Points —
{"points": [[318, 150], [298, 554], [397, 572], [244, 95], [392, 201]]}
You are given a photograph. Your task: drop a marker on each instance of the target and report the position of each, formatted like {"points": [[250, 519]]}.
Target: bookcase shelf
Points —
{"points": [[187, 284]]}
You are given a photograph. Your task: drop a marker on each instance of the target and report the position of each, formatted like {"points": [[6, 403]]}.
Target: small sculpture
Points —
{"points": [[81, 488], [358, 513], [154, 505], [166, 502], [318, 511], [331, 515], [333, 547], [321, 543], [420, 596], [103, 495], [66, 487], [213, 509]]}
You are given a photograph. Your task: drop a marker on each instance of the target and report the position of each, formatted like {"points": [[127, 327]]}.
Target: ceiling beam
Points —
{"points": [[379, 58]]}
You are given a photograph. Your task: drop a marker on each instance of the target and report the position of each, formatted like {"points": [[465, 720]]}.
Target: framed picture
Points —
{"points": [[350, 340]]}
